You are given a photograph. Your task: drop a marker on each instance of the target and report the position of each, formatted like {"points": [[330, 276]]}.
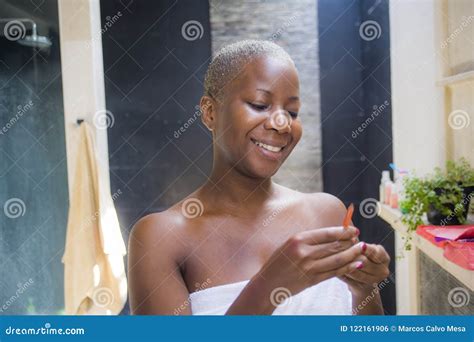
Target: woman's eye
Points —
{"points": [[258, 106], [294, 115]]}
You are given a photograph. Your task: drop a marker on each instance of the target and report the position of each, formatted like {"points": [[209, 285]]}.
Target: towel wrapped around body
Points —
{"points": [[330, 297]]}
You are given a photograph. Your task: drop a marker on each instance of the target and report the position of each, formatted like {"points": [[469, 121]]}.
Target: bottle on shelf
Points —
{"points": [[385, 179], [394, 196]]}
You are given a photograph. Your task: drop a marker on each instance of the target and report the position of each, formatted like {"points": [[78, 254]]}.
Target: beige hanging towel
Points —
{"points": [[94, 273]]}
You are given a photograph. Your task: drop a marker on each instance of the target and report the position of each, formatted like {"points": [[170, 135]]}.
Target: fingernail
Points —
{"points": [[357, 231], [364, 247], [360, 265]]}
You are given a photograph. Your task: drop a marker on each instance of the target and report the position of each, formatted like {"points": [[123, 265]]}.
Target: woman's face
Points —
{"points": [[257, 123]]}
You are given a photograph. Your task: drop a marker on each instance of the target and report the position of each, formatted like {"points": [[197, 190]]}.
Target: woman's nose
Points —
{"points": [[279, 120]]}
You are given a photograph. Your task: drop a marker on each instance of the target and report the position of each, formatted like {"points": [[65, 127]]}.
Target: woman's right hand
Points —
{"points": [[310, 257]]}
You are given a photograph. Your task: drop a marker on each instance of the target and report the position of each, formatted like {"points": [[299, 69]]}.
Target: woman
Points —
{"points": [[253, 246]]}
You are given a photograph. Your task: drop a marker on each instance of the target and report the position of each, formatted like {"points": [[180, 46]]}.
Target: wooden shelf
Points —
{"points": [[393, 217], [458, 78]]}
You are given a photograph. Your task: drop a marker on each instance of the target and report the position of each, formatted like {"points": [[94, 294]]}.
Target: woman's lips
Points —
{"points": [[270, 151]]}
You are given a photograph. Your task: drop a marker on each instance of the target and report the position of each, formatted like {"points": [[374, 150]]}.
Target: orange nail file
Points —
{"points": [[348, 217]]}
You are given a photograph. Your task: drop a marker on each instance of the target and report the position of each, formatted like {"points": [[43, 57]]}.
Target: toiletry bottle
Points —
{"points": [[385, 178], [388, 191], [394, 196]]}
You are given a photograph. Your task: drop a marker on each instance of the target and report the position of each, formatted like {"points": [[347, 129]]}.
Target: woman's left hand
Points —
{"points": [[375, 261]]}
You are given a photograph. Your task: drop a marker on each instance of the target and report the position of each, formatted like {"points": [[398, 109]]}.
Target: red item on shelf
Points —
{"points": [[455, 241], [461, 253]]}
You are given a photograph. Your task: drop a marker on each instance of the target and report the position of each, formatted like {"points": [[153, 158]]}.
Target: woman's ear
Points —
{"points": [[208, 110]]}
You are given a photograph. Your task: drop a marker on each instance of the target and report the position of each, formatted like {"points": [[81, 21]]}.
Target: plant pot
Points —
{"points": [[438, 219]]}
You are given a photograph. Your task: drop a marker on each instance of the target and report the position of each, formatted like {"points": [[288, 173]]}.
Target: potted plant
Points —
{"points": [[443, 196]]}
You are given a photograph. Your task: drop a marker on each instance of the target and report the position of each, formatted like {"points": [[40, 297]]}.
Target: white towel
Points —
{"points": [[94, 273], [330, 297]]}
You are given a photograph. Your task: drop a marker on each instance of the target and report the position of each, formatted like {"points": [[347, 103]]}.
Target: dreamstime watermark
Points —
{"points": [[96, 214], [188, 301], [109, 22], [376, 111], [458, 119], [192, 208], [192, 30], [465, 22], [370, 30], [103, 297], [197, 114], [366, 301], [116, 194], [14, 30], [14, 208], [21, 288], [369, 208], [282, 29], [103, 119], [458, 297], [21, 110], [457, 208], [266, 222], [280, 297], [280, 119], [46, 330]]}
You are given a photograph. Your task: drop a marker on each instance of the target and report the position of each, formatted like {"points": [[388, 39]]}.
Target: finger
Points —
{"points": [[369, 266], [363, 277], [323, 250], [339, 272], [379, 271], [337, 260], [328, 234], [377, 254]]}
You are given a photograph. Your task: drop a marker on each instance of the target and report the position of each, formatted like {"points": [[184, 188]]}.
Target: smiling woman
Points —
{"points": [[255, 85], [303, 262]]}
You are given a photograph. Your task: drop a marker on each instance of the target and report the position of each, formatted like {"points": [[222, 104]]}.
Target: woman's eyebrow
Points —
{"points": [[265, 91], [291, 98]]}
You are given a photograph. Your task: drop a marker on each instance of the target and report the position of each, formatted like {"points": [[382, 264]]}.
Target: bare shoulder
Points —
{"points": [[329, 209], [156, 252], [159, 233], [327, 201]]}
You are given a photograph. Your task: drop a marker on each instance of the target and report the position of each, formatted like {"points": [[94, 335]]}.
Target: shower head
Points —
{"points": [[36, 41], [15, 30]]}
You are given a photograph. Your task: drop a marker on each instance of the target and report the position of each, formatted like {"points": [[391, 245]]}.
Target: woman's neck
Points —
{"points": [[230, 188]]}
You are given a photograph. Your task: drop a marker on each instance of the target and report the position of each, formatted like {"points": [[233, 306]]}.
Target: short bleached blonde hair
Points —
{"points": [[232, 59]]}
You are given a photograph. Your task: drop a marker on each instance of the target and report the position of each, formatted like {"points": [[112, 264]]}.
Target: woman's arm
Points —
{"points": [[366, 300], [156, 286], [253, 300]]}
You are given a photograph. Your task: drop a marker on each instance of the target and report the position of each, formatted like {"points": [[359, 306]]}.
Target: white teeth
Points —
{"points": [[268, 147]]}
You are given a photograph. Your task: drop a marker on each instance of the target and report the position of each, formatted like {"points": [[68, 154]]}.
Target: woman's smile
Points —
{"points": [[269, 149]]}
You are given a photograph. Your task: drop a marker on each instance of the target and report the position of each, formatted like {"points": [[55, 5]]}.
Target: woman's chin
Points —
{"points": [[263, 169]]}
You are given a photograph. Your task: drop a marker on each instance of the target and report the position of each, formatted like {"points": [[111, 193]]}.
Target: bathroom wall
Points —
{"points": [[354, 52], [293, 25], [159, 151], [153, 81], [33, 171]]}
